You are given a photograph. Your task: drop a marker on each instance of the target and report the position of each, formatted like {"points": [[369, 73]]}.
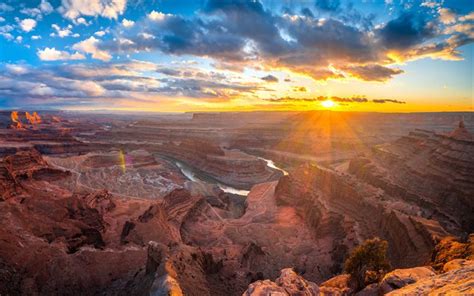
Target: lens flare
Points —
{"points": [[123, 165]]}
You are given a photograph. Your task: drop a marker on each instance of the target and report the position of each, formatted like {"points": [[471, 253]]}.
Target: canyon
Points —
{"points": [[196, 204]]}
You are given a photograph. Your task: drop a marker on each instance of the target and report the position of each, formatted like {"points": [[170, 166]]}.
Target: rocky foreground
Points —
{"points": [[457, 279], [153, 233]]}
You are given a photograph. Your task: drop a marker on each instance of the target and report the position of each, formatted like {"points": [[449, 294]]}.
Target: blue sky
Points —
{"points": [[170, 55]]}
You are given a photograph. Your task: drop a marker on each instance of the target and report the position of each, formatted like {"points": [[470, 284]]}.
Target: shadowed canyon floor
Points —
{"points": [[100, 204]]}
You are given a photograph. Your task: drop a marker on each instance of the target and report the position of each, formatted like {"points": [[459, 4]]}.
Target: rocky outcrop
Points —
{"points": [[402, 277], [288, 283], [180, 270], [340, 285], [459, 281], [23, 166]]}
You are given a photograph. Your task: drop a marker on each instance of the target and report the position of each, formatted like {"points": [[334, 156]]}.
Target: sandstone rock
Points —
{"points": [[402, 277], [100, 200], [370, 290], [342, 283], [289, 283], [457, 264], [265, 288], [454, 282]]}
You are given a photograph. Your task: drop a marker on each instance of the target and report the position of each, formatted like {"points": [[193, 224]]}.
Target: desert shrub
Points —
{"points": [[368, 262], [450, 248]]}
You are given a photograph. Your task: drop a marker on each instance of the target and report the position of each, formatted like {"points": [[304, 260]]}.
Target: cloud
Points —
{"points": [[37, 12], [5, 7], [90, 46], [111, 9], [300, 89], [372, 72], [46, 7], [91, 84], [382, 101], [28, 24], [355, 99], [51, 54], [16, 69], [61, 32], [127, 23], [81, 21], [446, 16], [406, 31], [270, 78]]}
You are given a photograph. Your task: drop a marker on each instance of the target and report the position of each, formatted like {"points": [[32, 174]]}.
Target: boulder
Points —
{"points": [[458, 281], [370, 290], [289, 283], [403, 277], [457, 264], [342, 283]]}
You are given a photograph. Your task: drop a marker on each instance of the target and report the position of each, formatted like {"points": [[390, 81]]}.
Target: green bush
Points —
{"points": [[368, 262]]}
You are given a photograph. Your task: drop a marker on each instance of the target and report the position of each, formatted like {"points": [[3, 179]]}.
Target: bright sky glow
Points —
{"points": [[224, 55]]}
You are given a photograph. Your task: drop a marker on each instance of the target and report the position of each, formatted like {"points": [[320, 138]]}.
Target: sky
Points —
{"points": [[224, 55]]}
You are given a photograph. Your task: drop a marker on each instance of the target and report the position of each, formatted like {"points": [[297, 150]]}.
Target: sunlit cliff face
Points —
{"points": [[33, 118], [16, 123]]}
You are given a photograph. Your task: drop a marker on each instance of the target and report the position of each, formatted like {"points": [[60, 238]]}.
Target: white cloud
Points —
{"points": [[28, 24], [127, 23], [45, 7], [82, 21], [146, 36], [5, 7], [18, 39], [61, 32], [33, 12], [430, 4], [90, 46], [446, 16], [468, 17], [4, 31], [7, 36], [99, 33], [72, 9], [36, 37], [17, 69], [157, 16], [51, 54], [2, 19]]}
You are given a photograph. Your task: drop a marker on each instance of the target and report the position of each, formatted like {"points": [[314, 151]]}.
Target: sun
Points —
{"points": [[328, 104]]}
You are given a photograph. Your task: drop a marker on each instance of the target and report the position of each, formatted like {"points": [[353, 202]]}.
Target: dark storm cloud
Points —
{"points": [[407, 30], [270, 78]]}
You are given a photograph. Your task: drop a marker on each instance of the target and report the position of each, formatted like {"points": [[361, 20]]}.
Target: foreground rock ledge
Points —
{"points": [[459, 280]]}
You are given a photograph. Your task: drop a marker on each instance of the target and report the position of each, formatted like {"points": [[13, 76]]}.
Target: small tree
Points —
{"points": [[368, 262]]}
